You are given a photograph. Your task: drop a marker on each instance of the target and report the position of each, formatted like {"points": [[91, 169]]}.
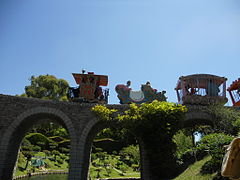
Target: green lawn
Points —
{"points": [[51, 165], [95, 172], [193, 172]]}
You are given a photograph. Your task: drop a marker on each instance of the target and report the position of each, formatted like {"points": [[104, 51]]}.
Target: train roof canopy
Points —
{"points": [[199, 80], [101, 80]]}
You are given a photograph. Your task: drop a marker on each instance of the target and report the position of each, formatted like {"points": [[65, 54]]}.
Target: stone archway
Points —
{"points": [[11, 139], [85, 145], [197, 117]]}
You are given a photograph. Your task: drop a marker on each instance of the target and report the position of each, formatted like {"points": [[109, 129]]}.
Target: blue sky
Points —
{"points": [[137, 40]]}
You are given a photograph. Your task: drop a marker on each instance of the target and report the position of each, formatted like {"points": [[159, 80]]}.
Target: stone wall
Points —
{"points": [[18, 115]]}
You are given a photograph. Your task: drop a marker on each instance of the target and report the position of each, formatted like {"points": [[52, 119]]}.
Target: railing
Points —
{"points": [[236, 96]]}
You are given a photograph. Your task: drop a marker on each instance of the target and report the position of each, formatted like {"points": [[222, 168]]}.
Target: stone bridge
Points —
{"points": [[18, 115]]}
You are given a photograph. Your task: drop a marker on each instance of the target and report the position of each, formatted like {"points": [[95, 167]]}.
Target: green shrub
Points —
{"points": [[211, 166], [64, 150], [135, 167], [154, 124], [130, 155], [38, 139], [123, 167], [227, 120], [37, 148], [47, 153], [64, 144], [52, 145], [214, 145], [183, 143], [59, 160]]}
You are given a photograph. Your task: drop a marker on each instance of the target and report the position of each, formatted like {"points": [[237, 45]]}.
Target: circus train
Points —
{"points": [[206, 89], [234, 92], [203, 89], [89, 88], [146, 94]]}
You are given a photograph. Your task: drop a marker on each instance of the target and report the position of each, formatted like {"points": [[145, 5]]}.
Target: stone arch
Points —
{"points": [[84, 146], [14, 134], [194, 118]]}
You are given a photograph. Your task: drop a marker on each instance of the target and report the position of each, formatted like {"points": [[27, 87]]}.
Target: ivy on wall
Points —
{"points": [[154, 124], [164, 117]]}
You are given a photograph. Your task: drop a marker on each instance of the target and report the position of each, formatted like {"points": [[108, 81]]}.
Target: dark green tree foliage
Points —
{"points": [[131, 155], [55, 153], [117, 134], [38, 139], [184, 142], [227, 120], [47, 87], [27, 151], [50, 129]]}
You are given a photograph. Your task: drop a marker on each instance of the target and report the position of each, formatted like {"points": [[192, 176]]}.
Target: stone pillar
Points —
{"points": [[79, 161], [157, 161], [145, 164], [80, 158], [8, 160]]}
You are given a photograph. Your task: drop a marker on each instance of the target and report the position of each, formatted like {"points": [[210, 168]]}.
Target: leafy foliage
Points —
{"points": [[227, 120], [47, 87], [156, 117], [154, 125], [130, 155], [183, 142], [145, 118], [50, 138], [38, 139], [27, 151], [214, 145], [104, 113], [50, 129]]}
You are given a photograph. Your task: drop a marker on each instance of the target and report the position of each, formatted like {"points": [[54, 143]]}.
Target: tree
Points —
{"points": [[226, 119], [154, 125], [214, 144], [131, 155], [55, 153], [47, 87], [183, 142], [27, 151], [38, 139]]}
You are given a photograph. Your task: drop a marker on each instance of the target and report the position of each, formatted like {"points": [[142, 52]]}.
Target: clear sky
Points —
{"points": [[137, 40]]}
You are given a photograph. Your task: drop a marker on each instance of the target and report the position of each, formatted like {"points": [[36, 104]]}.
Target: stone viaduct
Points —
{"points": [[18, 115]]}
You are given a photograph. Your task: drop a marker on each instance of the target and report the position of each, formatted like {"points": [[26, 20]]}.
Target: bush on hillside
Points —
{"points": [[214, 145], [130, 155], [39, 140]]}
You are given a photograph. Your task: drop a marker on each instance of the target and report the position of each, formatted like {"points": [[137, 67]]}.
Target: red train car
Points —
{"points": [[201, 89], [89, 89], [234, 92]]}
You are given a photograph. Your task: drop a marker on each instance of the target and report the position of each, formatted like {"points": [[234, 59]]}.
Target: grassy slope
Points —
{"points": [[193, 172], [113, 174]]}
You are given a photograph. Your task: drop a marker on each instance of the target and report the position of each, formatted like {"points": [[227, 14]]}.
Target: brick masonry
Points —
{"points": [[18, 115]]}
